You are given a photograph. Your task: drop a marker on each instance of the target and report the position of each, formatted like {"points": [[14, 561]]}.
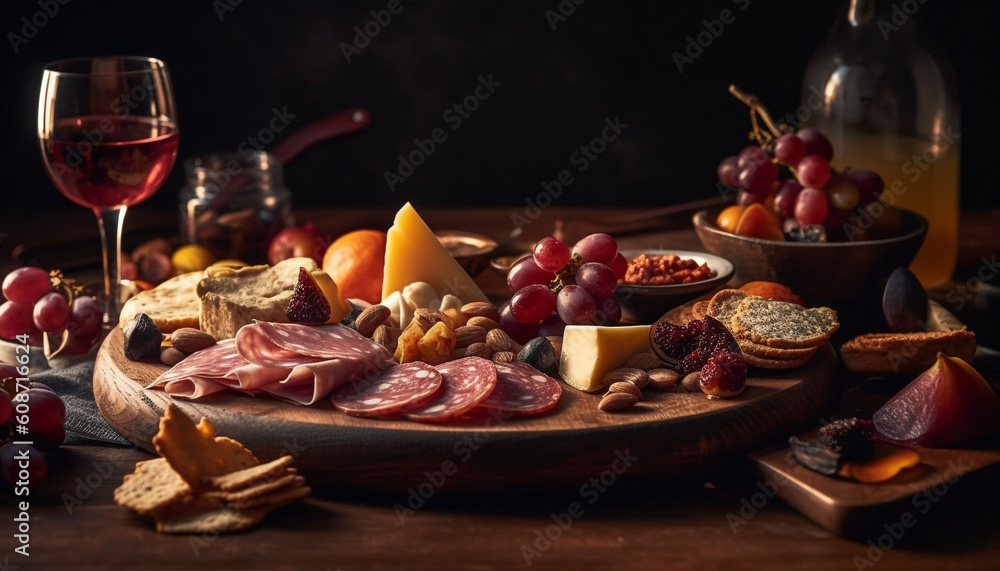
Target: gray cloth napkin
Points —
{"points": [[84, 423]]}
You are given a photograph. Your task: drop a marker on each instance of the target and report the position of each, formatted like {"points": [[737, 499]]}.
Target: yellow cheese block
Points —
{"points": [[590, 351], [414, 254]]}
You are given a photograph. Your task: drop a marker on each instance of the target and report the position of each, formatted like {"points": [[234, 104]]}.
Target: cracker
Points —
{"points": [[767, 352], [212, 521], [699, 309], [195, 452], [765, 363], [243, 478], [782, 324], [723, 304], [276, 499], [171, 305], [151, 488], [287, 479]]}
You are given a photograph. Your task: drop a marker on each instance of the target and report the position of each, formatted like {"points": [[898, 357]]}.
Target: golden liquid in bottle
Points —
{"points": [[920, 176]]}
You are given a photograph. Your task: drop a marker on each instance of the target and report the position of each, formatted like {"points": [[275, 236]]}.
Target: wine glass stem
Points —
{"points": [[110, 222]]}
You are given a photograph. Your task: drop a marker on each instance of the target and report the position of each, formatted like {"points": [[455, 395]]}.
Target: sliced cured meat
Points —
{"points": [[394, 390], [465, 383], [521, 390], [293, 344], [310, 383], [202, 373]]}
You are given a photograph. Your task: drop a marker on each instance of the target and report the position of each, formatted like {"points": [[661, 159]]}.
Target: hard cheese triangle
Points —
{"points": [[414, 254]]}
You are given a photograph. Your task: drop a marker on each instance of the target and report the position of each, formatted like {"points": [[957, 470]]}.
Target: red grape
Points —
{"points": [[599, 280], [788, 194], [751, 155], [15, 319], [5, 407], [46, 410], [532, 303], [520, 332], [811, 206], [551, 254], [813, 171], [619, 266], [26, 285], [600, 248], [728, 172], [746, 198], [51, 313], [85, 318], [816, 143], [34, 474], [869, 183], [49, 441], [525, 272], [575, 306], [789, 149], [842, 192], [609, 312], [758, 178], [552, 325]]}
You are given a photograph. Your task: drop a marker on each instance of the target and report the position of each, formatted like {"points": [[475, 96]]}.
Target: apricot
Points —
{"points": [[771, 290], [757, 222], [730, 217]]}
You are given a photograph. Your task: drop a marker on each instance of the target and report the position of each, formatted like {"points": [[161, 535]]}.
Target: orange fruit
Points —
{"points": [[771, 290], [356, 261], [730, 217], [757, 222]]}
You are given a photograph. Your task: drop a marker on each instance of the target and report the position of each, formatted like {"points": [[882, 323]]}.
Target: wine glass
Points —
{"points": [[108, 132]]}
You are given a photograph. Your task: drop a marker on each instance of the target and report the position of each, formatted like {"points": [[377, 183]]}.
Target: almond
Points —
{"points": [[370, 319], [428, 317], [188, 340], [498, 340], [644, 361], [386, 336], [625, 387], [663, 379], [468, 334], [691, 382], [478, 350], [503, 356], [484, 322], [617, 401], [637, 377], [170, 356], [481, 309]]}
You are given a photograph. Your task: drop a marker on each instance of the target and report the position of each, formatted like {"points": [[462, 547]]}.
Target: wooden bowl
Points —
{"points": [[646, 303], [471, 250], [847, 276]]}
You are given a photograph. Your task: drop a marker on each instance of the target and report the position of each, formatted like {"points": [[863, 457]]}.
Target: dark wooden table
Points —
{"points": [[686, 524]]}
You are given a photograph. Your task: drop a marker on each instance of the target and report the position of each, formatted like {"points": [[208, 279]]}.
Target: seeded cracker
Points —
{"points": [[151, 488], [782, 324]]}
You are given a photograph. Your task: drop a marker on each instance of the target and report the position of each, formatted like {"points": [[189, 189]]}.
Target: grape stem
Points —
{"points": [[757, 109]]}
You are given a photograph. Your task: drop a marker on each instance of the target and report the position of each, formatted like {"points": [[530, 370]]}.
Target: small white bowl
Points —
{"points": [[647, 303]]}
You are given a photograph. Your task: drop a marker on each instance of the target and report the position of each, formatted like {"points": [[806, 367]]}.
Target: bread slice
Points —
{"points": [[879, 354], [783, 324], [723, 304], [171, 305], [234, 297]]}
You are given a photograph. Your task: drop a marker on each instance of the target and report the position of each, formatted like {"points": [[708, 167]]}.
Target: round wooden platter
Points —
{"points": [[667, 434]]}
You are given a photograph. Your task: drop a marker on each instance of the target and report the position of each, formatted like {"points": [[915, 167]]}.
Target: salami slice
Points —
{"points": [[394, 390], [292, 344], [521, 390], [465, 383]]}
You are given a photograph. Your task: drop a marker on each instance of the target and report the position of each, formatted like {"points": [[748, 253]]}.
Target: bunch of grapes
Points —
{"points": [[45, 414], [556, 286], [39, 302], [789, 173]]}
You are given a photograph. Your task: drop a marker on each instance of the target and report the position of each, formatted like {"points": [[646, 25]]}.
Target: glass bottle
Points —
{"points": [[233, 204], [886, 97]]}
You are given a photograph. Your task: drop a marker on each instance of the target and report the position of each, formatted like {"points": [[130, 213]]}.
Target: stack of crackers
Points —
{"points": [[206, 483], [772, 334]]}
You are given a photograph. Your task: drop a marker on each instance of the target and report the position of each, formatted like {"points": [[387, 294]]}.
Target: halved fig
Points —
{"points": [[904, 302]]}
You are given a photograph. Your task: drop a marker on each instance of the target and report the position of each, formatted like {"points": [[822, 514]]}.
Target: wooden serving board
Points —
{"points": [[668, 434]]}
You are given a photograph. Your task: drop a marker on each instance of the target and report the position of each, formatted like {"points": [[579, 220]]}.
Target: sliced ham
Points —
{"points": [[291, 345], [521, 390], [394, 390], [465, 383], [202, 373]]}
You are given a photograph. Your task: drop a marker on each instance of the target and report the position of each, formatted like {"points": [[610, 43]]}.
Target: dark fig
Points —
{"points": [[815, 456], [904, 302], [142, 338], [540, 354]]}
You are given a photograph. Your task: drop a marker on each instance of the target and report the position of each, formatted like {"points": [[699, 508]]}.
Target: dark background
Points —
{"points": [[607, 59]]}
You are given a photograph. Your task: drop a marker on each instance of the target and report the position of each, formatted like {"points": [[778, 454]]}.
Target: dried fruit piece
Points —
{"points": [[815, 456], [308, 304], [880, 469], [724, 375], [407, 348], [851, 437], [540, 354], [904, 302], [142, 338], [437, 345]]}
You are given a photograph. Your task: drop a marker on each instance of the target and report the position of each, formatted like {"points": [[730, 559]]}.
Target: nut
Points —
{"points": [[479, 350], [189, 340], [170, 356], [468, 334], [428, 317], [503, 356], [556, 344], [644, 361], [617, 401], [484, 322], [625, 387], [370, 319], [498, 340], [663, 379], [386, 336], [637, 377], [692, 382], [481, 309]]}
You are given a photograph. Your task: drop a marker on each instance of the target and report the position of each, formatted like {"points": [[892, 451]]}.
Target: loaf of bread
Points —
{"points": [[234, 297]]}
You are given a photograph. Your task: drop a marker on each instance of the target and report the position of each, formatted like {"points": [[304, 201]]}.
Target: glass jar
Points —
{"points": [[233, 204], [887, 99]]}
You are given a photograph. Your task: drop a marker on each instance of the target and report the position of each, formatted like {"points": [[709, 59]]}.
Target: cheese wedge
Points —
{"points": [[590, 351], [414, 254]]}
